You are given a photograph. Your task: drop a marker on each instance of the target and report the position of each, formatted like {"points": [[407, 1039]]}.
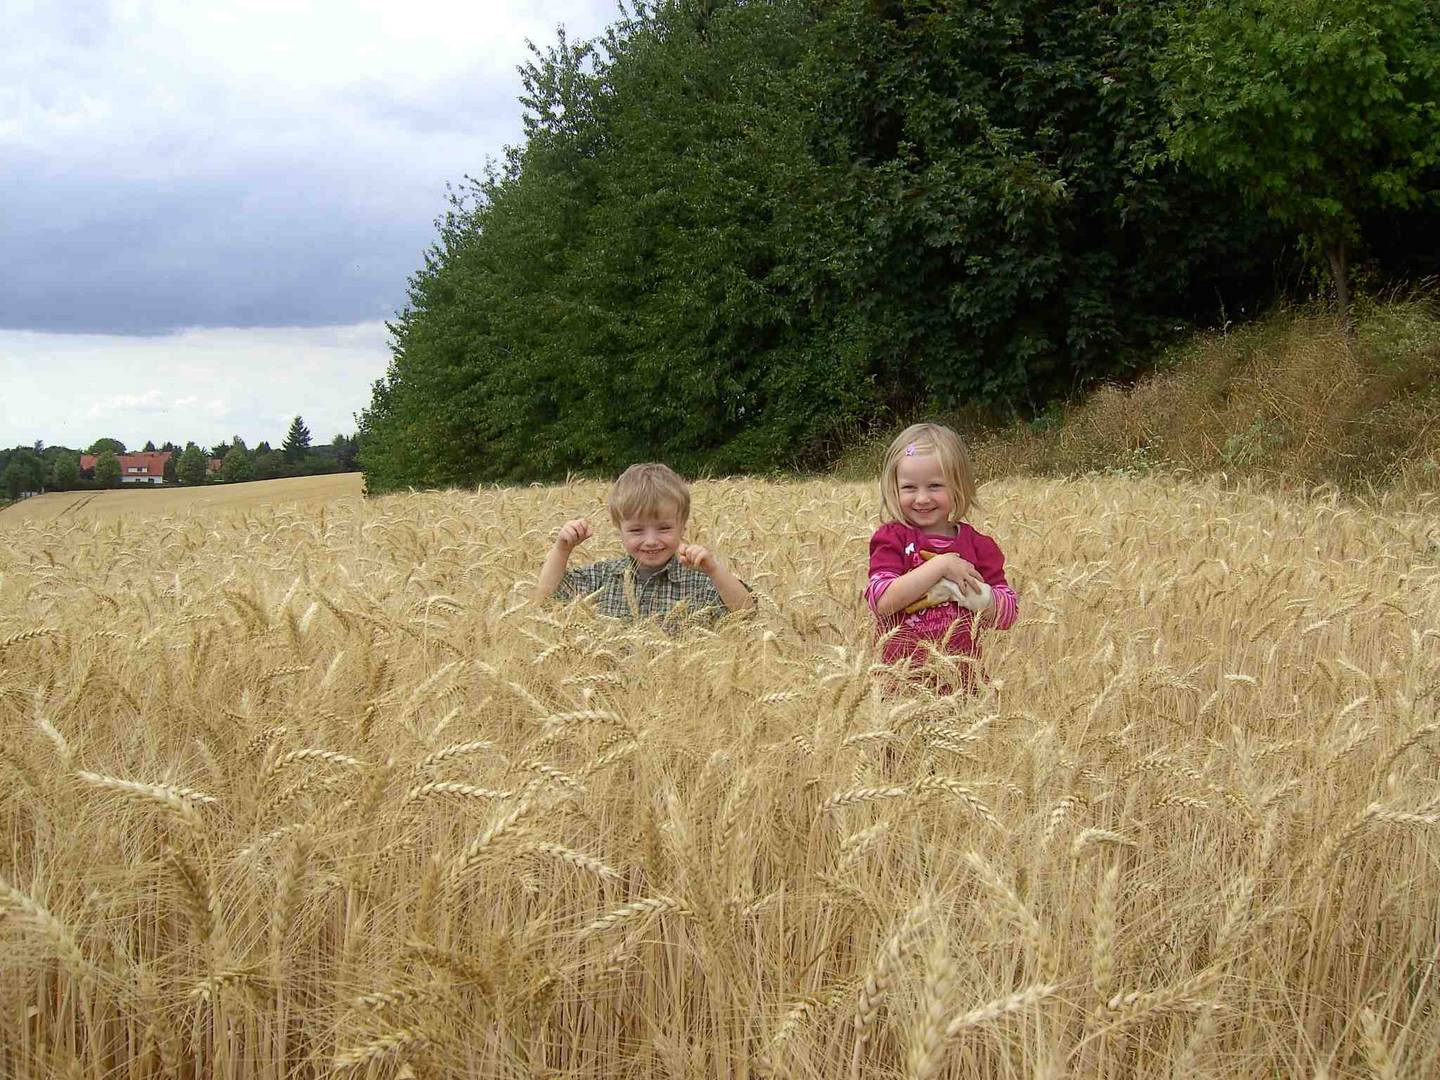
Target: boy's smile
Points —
{"points": [[652, 541]]}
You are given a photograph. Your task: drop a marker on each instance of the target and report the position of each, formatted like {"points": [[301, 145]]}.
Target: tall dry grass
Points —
{"points": [[297, 793], [1292, 398]]}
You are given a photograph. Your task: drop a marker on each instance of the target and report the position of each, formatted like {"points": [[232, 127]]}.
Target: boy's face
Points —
{"points": [[652, 539]]}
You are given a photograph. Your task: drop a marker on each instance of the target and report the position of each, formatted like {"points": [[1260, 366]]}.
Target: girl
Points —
{"points": [[933, 579]]}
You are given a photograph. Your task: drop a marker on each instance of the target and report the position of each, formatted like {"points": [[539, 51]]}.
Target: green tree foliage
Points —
{"points": [[237, 466], [193, 465], [14, 480], [1316, 111], [737, 229], [27, 467], [297, 441], [268, 463], [107, 469], [612, 293], [345, 450], [67, 472], [1003, 235], [99, 446]]}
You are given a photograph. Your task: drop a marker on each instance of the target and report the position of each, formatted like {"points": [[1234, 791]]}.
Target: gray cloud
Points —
{"points": [[272, 247], [167, 165]]}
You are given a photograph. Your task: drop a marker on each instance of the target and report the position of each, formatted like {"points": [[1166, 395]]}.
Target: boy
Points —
{"points": [[650, 505]]}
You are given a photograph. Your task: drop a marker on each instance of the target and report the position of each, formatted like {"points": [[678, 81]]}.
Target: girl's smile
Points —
{"points": [[925, 498]]}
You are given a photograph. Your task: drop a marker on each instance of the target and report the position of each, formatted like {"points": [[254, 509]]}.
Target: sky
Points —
{"points": [[208, 210]]}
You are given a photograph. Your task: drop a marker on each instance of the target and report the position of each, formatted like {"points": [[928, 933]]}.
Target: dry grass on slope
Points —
{"points": [[1290, 398], [299, 793]]}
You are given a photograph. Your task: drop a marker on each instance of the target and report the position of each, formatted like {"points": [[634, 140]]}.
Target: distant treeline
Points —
{"points": [[38, 468], [738, 233]]}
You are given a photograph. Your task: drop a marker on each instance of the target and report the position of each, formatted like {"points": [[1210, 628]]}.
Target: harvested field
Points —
{"points": [[299, 791], [68, 506]]}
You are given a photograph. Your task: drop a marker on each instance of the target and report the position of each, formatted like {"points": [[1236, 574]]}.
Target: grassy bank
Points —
{"points": [[1290, 398]]}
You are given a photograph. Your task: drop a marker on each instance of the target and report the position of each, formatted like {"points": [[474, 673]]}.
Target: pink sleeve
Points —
{"points": [[990, 561], [887, 562]]}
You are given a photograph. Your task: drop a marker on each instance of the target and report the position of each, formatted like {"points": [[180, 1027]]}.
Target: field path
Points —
{"points": [[107, 505]]}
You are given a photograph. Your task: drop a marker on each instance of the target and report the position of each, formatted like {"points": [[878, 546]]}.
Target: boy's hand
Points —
{"points": [[731, 589], [573, 533], [698, 558]]}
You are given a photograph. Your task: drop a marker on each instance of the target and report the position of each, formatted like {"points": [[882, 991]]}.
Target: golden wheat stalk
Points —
{"points": [[177, 800]]}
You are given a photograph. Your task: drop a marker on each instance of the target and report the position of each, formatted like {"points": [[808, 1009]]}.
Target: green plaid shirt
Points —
{"points": [[620, 594]]}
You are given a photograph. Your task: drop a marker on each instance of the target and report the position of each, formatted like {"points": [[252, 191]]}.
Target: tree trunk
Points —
{"points": [[1338, 253]]}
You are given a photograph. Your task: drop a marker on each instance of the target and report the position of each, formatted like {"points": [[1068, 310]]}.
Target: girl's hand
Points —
{"points": [[698, 558], [962, 572], [573, 533]]}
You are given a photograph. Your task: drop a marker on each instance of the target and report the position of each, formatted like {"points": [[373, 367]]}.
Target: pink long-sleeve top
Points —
{"points": [[895, 550]]}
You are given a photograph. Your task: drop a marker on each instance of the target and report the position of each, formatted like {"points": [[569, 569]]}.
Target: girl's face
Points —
{"points": [[925, 497]]}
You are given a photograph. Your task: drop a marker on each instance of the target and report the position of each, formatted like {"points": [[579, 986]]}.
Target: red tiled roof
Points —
{"points": [[152, 464]]}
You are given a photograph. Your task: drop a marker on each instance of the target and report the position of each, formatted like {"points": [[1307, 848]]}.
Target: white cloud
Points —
{"points": [[207, 385], [89, 77], [121, 404]]}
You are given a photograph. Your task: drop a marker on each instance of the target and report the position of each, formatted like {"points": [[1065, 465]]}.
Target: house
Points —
{"points": [[142, 468]]}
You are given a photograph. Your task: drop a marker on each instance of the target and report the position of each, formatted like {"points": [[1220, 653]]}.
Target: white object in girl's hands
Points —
{"points": [[949, 590]]}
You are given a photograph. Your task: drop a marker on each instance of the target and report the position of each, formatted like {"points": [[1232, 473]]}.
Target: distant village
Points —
{"points": [[26, 471], [146, 467]]}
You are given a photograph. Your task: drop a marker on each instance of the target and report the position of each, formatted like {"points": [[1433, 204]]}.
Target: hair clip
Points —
{"points": [[910, 450]]}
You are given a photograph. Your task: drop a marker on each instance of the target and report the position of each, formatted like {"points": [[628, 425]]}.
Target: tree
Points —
{"points": [[168, 447], [344, 453], [237, 466], [99, 446], [107, 469], [193, 466], [736, 230], [149, 446], [14, 479], [268, 463], [33, 469], [1315, 111], [67, 472], [297, 441]]}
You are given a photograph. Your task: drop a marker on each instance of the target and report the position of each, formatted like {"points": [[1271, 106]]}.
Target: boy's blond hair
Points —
{"points": [[647, 490], [932, 440]]}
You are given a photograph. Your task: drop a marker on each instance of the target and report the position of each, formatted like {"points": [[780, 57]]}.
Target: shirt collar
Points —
{"points": [[632, 567]]}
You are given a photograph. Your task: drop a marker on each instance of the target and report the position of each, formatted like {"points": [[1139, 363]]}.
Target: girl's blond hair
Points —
{"points": [[938, 441]]}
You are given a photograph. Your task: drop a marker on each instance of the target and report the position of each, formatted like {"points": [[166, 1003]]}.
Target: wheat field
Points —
{"points": [[107, 505], [302, 791]]}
